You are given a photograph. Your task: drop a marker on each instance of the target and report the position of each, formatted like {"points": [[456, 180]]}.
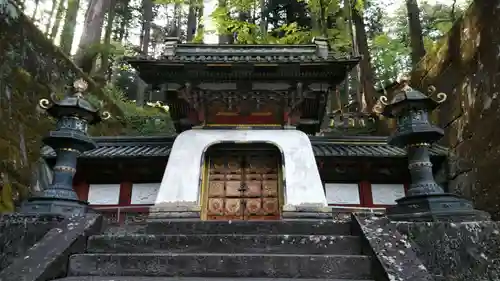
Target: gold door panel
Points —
{"points": [[270, 188], [253, 189], [243, 186], [215, 206], [233, 188], [253, 206], [233, 207], [216, 189], [270, 206]]}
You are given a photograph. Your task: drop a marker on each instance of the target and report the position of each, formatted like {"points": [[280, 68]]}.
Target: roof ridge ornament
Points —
{"points": [[170, 46], [322, 48], [404, 81], [80, 86]]}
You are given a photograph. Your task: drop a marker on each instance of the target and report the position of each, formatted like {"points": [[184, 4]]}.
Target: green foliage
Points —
{"points": [[390, 58], [198, 37], [152, 119], [8, 11], [194, 3], [6, 196], [359, 5]]}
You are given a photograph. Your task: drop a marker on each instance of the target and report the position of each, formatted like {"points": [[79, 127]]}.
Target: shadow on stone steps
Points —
{"points": [[304, 227], [222, 265], [220, 243]]}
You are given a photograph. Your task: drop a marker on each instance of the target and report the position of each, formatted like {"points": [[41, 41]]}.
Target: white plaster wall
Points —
{"points": [[181, 180], [144, 193], [386, 194], [342, 193], [104, 194]]}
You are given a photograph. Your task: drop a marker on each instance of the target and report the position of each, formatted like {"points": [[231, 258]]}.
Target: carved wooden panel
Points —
{"points": [[253, 206], [233, 207], [243, 186], [233, 188], [270, 206], [253, 188], [215, 206], [270, 188], [216, 188], [244, 112]]}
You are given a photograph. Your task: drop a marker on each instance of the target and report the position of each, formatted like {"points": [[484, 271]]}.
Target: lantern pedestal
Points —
{"points": [[54, 206], [435, 207]]}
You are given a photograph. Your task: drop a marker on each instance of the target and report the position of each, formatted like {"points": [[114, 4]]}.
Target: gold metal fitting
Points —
{"points": [[105, 115], [80, 85]]}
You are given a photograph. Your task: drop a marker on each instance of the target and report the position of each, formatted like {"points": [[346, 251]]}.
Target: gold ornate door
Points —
{"points": [[243, 186]]}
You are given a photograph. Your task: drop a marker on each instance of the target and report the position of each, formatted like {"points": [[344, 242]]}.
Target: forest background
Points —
{"points": [[391, 36]]}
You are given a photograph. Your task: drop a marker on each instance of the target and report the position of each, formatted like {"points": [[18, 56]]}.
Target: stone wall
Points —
{"points": [[431, 251], [18, 233], [31, 68], [466, 67], [457, 251]]}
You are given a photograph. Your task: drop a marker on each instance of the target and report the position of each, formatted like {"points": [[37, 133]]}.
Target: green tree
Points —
{"points": [[390, 40]]}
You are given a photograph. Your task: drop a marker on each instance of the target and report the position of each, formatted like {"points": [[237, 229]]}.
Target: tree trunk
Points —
{"points": [[416, 39], [35, 11], [107, 40], [147, 18], [91, 35], [121, 32], [199, 15], [51, 16], [178, 18], [263, 18], [68, 31], [57, 23], [191, 22], [367, 76]]}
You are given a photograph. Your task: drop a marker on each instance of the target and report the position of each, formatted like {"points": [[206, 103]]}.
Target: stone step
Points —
{"points": [[222, 265], [305, 227], [220, 243], [137, 278]]}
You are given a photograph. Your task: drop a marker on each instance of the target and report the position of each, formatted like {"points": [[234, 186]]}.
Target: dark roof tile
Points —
{"points": [[186, 53], [109, 147]]}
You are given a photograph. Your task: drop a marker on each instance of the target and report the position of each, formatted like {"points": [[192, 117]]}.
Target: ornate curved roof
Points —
{"points": [[130, 147]]}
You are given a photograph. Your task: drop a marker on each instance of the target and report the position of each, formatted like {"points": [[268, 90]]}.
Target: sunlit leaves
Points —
{"points": [[6, 197], [390, 58], [326, 14], [152, 119], [8, 11], [195, 3]]}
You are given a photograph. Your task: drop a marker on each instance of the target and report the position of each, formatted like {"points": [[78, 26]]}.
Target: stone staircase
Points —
{"points": [[212, 250]]}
